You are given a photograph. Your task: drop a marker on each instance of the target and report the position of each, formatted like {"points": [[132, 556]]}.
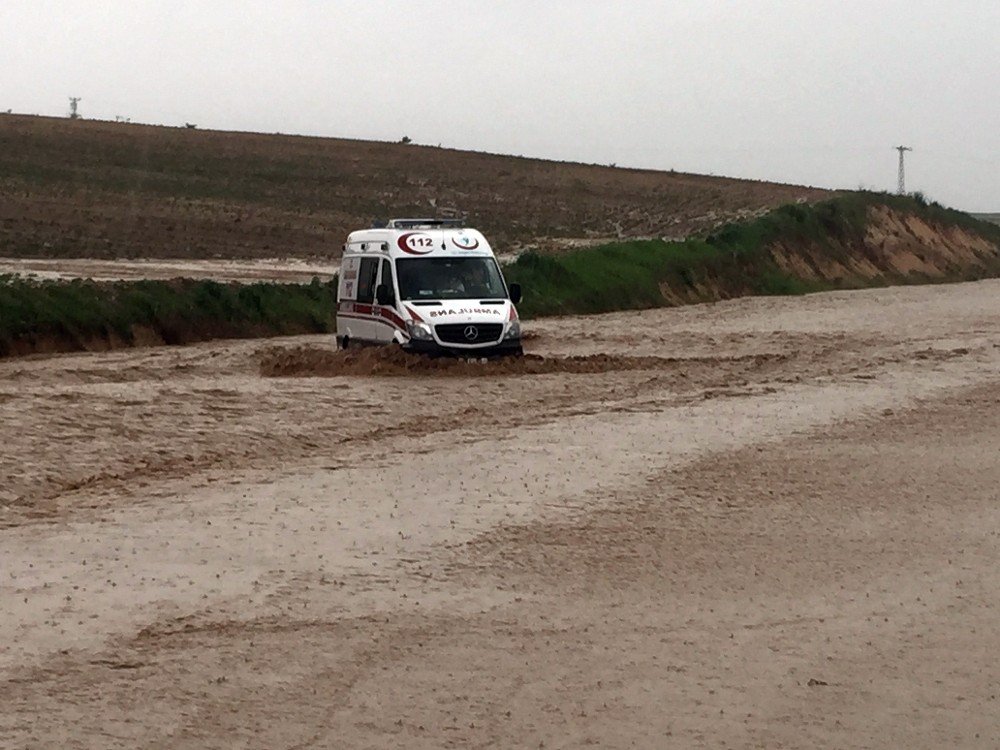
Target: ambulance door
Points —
{"points": [[368, 329], [389, 312], [346, 295]]}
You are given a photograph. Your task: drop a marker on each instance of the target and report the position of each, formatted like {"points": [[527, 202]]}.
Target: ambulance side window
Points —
{"points": [[387, 279], [366, 279]]}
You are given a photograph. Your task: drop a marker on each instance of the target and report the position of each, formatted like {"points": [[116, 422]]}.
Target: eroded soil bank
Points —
{"points": [[764, 522]]}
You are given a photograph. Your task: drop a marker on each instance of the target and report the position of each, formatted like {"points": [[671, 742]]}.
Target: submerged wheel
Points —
{"points": [[344, 342]]}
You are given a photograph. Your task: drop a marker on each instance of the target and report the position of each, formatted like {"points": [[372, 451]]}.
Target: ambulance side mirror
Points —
{"points": [[382, 295], [515, 293]]}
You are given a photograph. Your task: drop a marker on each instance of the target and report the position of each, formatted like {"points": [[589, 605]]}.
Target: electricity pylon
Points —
{"points": [[901, 183]]}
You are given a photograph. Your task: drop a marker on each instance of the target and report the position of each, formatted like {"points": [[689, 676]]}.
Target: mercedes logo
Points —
{"points": [[471, 333]]}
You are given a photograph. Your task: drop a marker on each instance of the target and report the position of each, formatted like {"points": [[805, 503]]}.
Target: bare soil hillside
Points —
{"points": [[77, 189]]}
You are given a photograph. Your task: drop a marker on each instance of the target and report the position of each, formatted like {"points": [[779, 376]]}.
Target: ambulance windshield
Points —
{"points": [[449, 278]]}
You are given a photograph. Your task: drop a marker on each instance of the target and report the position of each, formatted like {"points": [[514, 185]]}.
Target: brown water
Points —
{"points": [[765, 522]]}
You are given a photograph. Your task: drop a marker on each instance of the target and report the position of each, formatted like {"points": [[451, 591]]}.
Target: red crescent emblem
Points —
{"points": [[403, 243], [473, 246]]}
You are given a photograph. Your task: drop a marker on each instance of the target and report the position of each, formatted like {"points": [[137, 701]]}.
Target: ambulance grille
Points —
{"points": [[459, 333]]}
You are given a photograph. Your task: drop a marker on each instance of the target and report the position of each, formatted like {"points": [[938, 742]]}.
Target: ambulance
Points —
{"points": [[430, 285]]}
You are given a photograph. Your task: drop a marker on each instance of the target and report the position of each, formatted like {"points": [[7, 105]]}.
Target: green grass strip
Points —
{"points": [[66, 315]]}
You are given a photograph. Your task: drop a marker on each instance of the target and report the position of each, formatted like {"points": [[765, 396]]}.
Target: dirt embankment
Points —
{"points": [[894, 247], [897, 246]]}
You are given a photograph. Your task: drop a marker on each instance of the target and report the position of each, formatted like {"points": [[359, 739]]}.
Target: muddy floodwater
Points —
{"points": [[246, 271], [769, 522]]}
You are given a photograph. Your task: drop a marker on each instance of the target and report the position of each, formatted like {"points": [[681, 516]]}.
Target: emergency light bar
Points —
{"points": [[419, 223]]}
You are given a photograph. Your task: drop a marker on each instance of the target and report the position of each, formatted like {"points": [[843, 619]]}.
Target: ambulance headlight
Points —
{"points": [[419, 331], [513, 330]]}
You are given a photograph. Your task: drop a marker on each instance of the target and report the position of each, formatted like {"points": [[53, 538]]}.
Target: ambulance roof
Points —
{"points": [[401, 238]]}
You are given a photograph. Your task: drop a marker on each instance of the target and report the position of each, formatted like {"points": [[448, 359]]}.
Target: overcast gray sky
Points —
{"points": [[815, 92]]}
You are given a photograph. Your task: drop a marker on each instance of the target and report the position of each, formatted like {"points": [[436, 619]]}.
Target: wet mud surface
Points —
{"points": [[392, 361], [765, 522]]}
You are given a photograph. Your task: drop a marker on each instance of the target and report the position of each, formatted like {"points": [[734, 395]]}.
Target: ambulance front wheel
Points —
{"points": [[343, 342]]}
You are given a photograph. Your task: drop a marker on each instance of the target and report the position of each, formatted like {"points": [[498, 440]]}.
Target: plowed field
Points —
{"points": [[90, 189]]}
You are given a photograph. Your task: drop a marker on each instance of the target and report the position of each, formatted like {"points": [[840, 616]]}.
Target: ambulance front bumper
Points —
{"points": [[465, 339], [504, 348]]}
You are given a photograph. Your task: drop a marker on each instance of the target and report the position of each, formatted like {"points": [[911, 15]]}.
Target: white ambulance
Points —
{"points": [[430, 285]]}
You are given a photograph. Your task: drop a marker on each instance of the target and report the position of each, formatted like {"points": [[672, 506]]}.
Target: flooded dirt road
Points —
{"points": [[768, 522], [287, 270]]}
